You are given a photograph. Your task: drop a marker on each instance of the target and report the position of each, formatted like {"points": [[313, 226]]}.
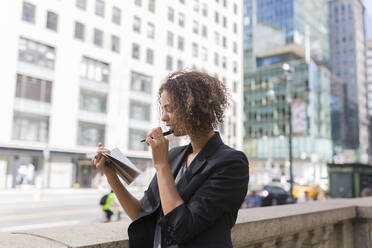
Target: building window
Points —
{"points": [[115, 43], [94, 70], [134, 137], [138, 3], [150, 30], [30, 127], [235, 67], [81, 4], [169, 63], [216, 17], [225, 3], [235, 28], [52, 20], [224, 22], [181, 43], [224, 62], [204, 54], [195, 27], [235, 9], [98, 37], [149, 56], [204, 31], [195, 50], [170, 14], [224, 42], [93, 102], [79, 31], [116, 15], [216, 59], [179, 64], [90, 134], [135, 51], [181, 19], [137, 24], [217, 38], [33, 88], [235, 86], [205, 9], [152, 6], [141, 83], [100, 8], [170, 39], [235, 47], [196, 6], [28, 12], [140, 111], [36, 53]]}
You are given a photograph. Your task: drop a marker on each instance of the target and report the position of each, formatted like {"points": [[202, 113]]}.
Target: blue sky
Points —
{"points": [[368, 17]]}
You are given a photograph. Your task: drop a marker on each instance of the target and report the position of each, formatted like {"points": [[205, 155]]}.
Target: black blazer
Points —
{"points": [[212, 188]]}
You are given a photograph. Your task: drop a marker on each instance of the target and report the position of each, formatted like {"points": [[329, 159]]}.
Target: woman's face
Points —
{"points": [[168, 115]]}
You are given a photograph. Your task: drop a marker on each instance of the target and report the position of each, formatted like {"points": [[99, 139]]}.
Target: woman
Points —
{"points": [[194, 198]]}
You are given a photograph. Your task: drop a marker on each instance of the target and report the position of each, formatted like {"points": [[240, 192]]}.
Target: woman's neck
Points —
{"points": [[199, 142]]}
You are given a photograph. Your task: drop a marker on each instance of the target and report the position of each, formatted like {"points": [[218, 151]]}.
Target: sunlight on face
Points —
{"points": [[167, 114]]}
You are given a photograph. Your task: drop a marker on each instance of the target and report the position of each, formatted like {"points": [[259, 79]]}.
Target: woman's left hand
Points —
{"points": [[159, 147]]}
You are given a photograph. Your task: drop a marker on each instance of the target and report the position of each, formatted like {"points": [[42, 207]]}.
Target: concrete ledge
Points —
{"points": [[279, 224]]}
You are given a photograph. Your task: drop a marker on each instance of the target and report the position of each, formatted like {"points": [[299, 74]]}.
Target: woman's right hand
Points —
{"points": [[99, 161]]}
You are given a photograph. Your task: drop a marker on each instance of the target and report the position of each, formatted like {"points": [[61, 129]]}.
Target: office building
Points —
{"points": [[80, 72], [350, 122], [286, 63]]}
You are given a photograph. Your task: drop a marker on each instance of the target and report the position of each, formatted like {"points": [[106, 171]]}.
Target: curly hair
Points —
{"points": [[198, 100]]}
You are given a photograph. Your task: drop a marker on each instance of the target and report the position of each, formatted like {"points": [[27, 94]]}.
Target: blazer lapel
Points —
{"points": [[175, 164], [199, 161]]}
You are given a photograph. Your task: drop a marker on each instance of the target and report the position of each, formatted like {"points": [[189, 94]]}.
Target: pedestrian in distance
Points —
{"points": [[106, 202], [366, 192], [252, 200], [305, 197], [194, 198]]}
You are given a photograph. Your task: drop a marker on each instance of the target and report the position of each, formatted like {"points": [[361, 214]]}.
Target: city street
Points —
{"points": [[33, 209]]}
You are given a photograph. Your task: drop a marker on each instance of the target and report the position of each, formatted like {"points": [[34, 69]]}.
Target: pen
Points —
{"points": [[165, 134]]}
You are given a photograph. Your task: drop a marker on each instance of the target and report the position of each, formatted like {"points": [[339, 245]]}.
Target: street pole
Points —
{"points": [[290, 151], [287, 71]]}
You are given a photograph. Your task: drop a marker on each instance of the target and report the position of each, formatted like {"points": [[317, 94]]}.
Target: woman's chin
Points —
{"points": [[177, 133]]}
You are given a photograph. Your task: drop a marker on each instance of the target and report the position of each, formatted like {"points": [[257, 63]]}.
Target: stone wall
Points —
{"points": [[337, 223]]}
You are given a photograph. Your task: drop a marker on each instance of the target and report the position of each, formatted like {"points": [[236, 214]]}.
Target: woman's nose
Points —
{"points": [[164, 117]]}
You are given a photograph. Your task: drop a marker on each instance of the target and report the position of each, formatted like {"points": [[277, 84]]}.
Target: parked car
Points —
{"points": [[273, 195]]}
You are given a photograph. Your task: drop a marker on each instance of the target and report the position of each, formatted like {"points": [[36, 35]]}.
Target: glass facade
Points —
{"points": [[348, 46], [94, 70], [140, 110], [92, 101], [30, 127], [90, 134], [33, 88], [36, 53], [278, 32], [141, 82]]}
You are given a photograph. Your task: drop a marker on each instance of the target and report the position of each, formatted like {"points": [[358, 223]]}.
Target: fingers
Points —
{"points": [[98, 157], [150, 141], [156, 132]]}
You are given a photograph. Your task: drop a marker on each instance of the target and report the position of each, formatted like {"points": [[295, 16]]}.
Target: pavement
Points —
{"points": [[27, 209]]}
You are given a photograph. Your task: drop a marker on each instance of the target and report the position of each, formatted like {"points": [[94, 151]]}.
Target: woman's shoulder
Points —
{"points": [[227, 154], [226, 150]]}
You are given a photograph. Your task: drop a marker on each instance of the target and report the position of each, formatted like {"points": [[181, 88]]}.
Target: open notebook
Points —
{"points": [[122, 165]]}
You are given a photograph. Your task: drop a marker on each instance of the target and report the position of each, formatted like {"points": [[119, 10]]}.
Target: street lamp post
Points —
{"points": [[287, 71]]}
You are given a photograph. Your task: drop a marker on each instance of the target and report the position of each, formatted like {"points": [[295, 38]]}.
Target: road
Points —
{"points": [[22, 210]]}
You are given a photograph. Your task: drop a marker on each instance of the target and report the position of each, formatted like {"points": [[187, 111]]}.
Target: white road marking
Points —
{"points": [[49, 214], [37, 226]]}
